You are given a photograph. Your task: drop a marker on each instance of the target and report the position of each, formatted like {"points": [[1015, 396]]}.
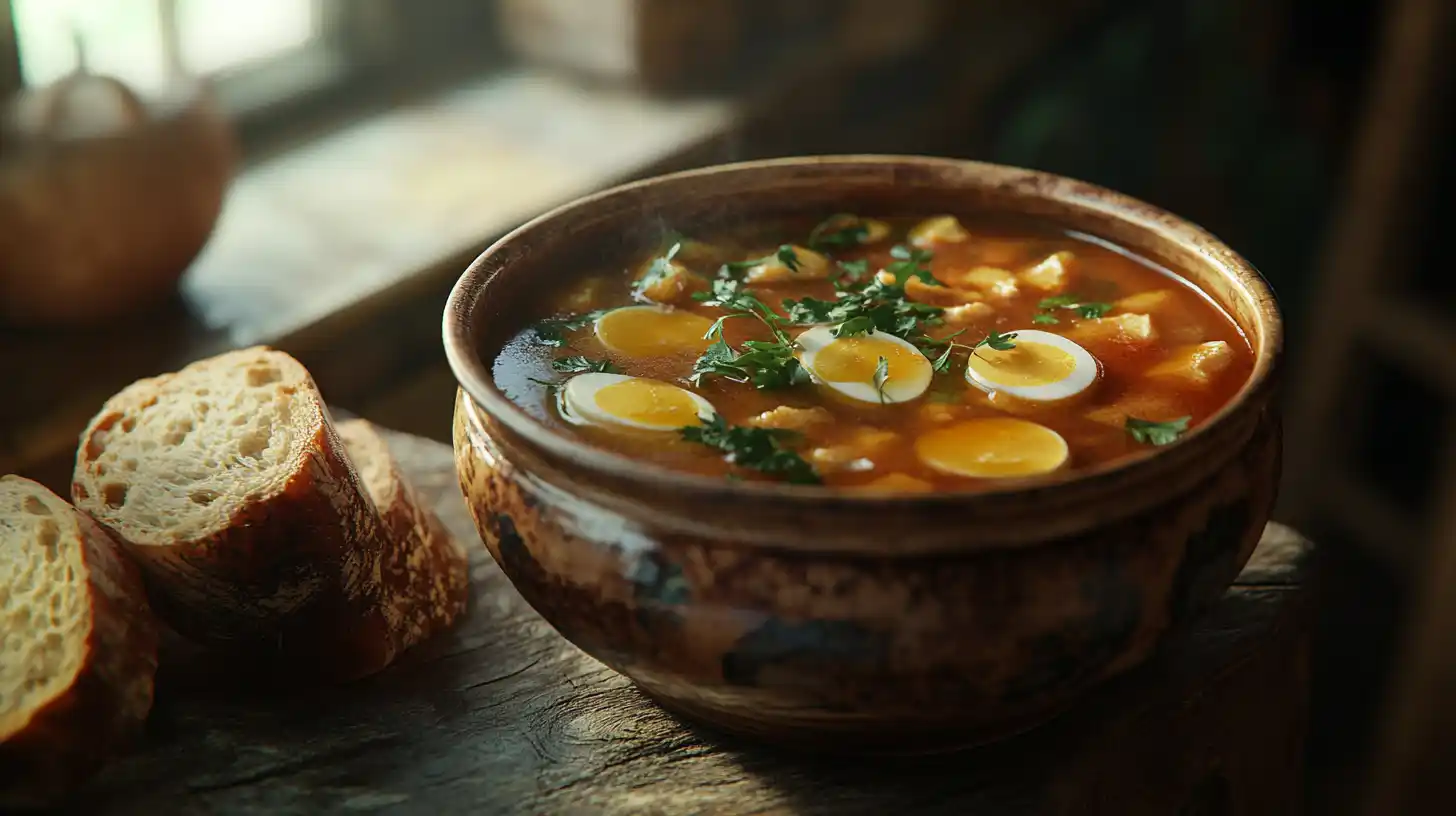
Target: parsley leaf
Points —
{"points": [[911, 262], [788, 257], [809, 311], [552, 331], [661, 268], [785, 255], [764, 363], [1088, 309], [838, 231], [761, 449], [882, 376], [1149, 432], [855, 270], [999, 342], [729, 295], [577, 364], [855, 326], [1044, 320], [879, 304]]}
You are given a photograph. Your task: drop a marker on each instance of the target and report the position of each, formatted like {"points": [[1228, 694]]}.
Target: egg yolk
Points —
{"points": [[1028, 364], [854, 359], [653, 333], [649, 403], [993, 448]]}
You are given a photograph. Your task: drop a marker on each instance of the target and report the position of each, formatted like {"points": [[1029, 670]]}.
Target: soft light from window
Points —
{"points": [[216, 35], [129, 39], [122, 38]]}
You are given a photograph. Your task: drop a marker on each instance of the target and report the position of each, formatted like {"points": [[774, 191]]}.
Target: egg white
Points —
{"points": [[579, 404], [1085, 371], [900, 389]]}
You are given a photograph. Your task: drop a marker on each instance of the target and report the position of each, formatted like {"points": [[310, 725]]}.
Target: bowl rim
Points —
{"points": [[472, 373]]}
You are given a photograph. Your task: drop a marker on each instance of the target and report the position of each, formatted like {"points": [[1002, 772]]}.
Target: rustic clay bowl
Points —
{"points": [[799, 615]]}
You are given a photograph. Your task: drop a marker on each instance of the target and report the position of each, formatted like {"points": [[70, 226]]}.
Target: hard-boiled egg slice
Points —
{"points": [[993, 448], [1042, 367], [620, 401], [848, 365], [652, 331]]}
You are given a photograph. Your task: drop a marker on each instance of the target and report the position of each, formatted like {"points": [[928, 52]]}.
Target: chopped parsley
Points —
{"points": [[577, 364], [1149, 432], [1086, 309], [838, 232], [855, 270], [998, 342], [764, 363], [785, 255], [552, 331], [879, 305], [930, 345], [760, 449], [942, 364], [660, 269]]}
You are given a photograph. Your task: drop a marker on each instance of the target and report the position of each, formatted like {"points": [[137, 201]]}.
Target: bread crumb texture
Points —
{"points": [[44, 601], [169, 458]]}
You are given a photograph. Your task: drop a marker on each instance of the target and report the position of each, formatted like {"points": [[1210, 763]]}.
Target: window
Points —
{"points": [[264, 57]]}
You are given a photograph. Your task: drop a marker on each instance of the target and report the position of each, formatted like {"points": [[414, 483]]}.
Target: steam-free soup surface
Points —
{"points": [[886, 355]]}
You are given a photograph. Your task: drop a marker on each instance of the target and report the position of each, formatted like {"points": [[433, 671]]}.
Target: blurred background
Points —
{"points": [[178, 177]]}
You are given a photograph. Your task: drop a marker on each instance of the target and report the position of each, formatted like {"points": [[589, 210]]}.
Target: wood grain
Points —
{"points": [[503, 716]]}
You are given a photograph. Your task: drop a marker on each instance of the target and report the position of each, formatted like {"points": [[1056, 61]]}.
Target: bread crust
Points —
{"points": [[426, 571], [67, 739], [298, 582]]}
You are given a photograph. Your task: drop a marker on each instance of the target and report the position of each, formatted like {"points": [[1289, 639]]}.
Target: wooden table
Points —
{"points": [[503, 716]]}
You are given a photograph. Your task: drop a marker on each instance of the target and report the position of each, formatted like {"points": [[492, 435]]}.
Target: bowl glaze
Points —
{"points": [[847, 622]]}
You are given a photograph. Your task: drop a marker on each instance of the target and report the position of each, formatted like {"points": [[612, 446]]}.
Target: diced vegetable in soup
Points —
{"points": [[883, 355]]}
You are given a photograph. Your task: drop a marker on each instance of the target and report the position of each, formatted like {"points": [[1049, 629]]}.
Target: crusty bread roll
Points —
{"points": [[229, 485], [424, 565], [78, 646]]}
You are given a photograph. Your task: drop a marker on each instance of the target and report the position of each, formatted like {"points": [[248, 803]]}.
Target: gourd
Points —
{"points": [[105, 200]]}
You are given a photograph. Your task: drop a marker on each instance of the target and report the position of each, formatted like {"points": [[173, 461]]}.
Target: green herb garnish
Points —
{"points": [[838, 231], [998, 342], [1087, 309], [1044, 319], [785, 255], [661, 268], [764, 363], [1149, 432], [552, 331], [855, 270], [577, 364], [760, 449], [944, 345], [879, 305], [911, 262]]}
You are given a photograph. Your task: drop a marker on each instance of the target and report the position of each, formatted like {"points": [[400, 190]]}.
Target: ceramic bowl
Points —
{"points": [[802, 616]]}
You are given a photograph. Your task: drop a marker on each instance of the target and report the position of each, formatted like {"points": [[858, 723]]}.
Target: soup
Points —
{"points": [[878, 354]]}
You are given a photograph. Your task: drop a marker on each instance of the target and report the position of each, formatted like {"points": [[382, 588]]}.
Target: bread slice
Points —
{"points": [[78, 646], [228, 484], [425, 568]]}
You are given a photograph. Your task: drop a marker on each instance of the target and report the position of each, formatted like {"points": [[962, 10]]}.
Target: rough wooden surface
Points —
{"points": [[503, 716]]}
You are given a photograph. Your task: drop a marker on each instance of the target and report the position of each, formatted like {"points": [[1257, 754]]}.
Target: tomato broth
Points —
{"points": [[878, 354]]}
